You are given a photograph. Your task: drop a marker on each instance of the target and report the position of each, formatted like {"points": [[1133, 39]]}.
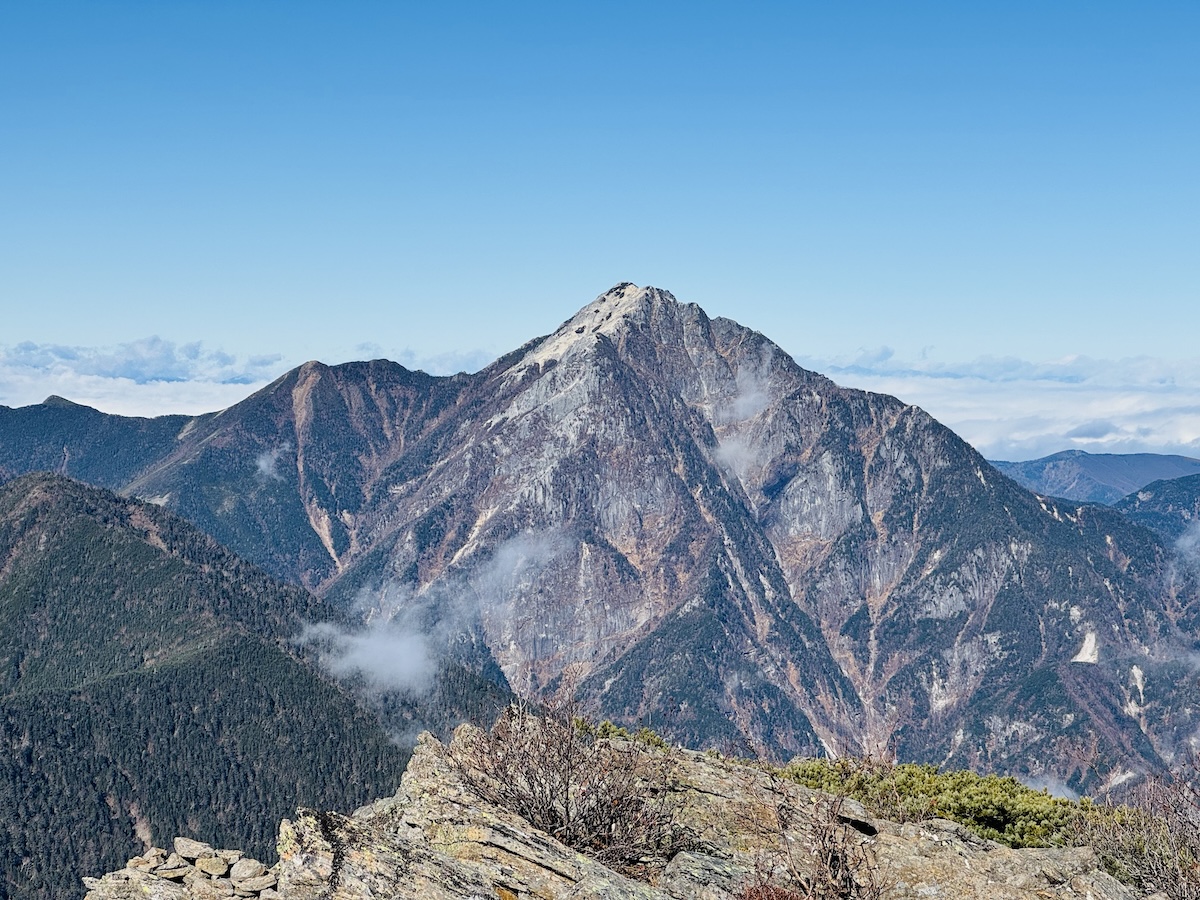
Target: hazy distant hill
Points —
{"points": [[714, 541], [1170, 507], [1096, 477], [146, 691]]}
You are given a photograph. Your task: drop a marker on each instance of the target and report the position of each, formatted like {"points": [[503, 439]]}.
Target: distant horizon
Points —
{"points": [[988, 212], [1008, 409]]}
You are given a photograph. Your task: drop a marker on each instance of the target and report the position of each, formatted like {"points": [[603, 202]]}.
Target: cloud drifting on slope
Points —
{"points": [[406, 632], [1011, 408]]}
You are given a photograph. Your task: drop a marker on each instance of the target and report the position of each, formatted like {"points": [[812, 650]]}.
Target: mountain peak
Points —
{"points": [[56, 400], [610, 314]]}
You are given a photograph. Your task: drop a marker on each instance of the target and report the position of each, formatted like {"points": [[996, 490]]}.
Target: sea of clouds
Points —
{"points": [[1014, 409], [154, 377], [1008, 408]]}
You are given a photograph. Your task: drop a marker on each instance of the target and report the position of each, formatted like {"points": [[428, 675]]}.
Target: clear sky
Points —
{"points": [[992, 210]]}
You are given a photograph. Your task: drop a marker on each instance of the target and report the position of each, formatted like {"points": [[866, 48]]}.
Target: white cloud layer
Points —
{"points": [[146, 377], [154, 377], [1015, 409], [437, 364], [1006, 407]]}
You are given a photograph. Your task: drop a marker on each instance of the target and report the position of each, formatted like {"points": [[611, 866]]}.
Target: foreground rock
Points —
{"points": [[436, 839]]}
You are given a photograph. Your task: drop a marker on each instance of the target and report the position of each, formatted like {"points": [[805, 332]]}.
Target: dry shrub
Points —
{"points": [[1152, 839], [607, 798], [830, 861]]}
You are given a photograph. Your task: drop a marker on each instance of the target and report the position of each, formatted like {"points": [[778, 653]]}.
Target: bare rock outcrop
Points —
{"points": [[437, 839]]}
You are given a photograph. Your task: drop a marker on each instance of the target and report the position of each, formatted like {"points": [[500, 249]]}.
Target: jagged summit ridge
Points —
{"points": [[605, 315]]}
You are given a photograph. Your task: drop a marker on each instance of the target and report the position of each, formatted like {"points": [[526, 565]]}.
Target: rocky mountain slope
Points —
{"points": [[708, 538], [1171, 507], [1096, 477], [438, 839], [148, 687]]}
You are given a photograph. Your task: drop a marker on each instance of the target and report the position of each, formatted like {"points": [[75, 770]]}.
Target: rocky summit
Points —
{"points": [[702, 536], [438, 839]]}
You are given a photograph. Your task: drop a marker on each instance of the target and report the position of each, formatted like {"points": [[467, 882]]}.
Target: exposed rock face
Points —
{"points": [[715, 541], [437, 840]]}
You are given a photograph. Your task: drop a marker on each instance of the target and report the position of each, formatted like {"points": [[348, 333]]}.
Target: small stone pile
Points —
{"points": [[194, 870]]}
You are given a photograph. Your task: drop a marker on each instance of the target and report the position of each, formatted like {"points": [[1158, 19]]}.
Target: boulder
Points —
{"points": [[190, 849], [212, 865], [246, 868]]}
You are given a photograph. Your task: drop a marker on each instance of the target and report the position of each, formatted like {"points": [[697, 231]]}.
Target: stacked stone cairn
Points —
{"points": [[197, 870]]}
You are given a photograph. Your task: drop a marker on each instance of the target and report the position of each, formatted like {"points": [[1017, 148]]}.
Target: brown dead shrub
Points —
{"points": [[816, 854], [1151, 839], [607, 798]]}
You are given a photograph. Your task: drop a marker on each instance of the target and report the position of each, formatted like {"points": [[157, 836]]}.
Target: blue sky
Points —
{"points": [[987, 209]]}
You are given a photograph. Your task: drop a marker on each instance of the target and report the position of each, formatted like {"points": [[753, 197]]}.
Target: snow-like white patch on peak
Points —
{"points": [[604, 315], [1089, 652]]}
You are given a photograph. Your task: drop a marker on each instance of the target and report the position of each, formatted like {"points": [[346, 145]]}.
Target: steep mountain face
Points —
{"points": [[1096, 477], [669, 513], [283, 476], [1171, 507], [146, 689]]}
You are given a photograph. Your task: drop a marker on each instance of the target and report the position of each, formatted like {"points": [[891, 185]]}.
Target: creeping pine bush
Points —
{"points": [[1151, 839], [998, 808]]}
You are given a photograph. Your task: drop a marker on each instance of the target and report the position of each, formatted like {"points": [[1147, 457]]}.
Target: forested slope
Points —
{"points": [[147, 690]]}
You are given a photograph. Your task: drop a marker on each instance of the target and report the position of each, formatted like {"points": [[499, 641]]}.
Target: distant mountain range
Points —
{"points": [[668, 512], [1096, 477]]}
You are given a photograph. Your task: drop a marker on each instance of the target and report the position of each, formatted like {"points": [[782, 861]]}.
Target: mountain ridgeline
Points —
{"points": [[1097, 477], [149, 687], [1171, 507], [699, 535]]}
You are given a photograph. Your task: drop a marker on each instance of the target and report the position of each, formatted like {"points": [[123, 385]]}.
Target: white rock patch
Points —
{"points": [[1089, 652]]}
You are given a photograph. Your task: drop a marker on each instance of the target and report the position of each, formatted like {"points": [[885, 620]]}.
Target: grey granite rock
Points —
{"points": [[190, 849], [436, 839]]}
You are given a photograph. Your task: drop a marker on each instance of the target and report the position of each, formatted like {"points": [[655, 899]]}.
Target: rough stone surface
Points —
{"points": [[435, 839], [246, 868], [257, 883], [212, 865], [190, 849]]}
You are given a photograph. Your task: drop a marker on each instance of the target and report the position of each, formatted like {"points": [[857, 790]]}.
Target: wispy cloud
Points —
{"points": [[388, 655], [1011, 408], [150, 376], [406, 632], [266, 464]]}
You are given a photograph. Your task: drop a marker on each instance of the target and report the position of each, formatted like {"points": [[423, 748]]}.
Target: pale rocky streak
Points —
{"points": [[437, 840]]}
